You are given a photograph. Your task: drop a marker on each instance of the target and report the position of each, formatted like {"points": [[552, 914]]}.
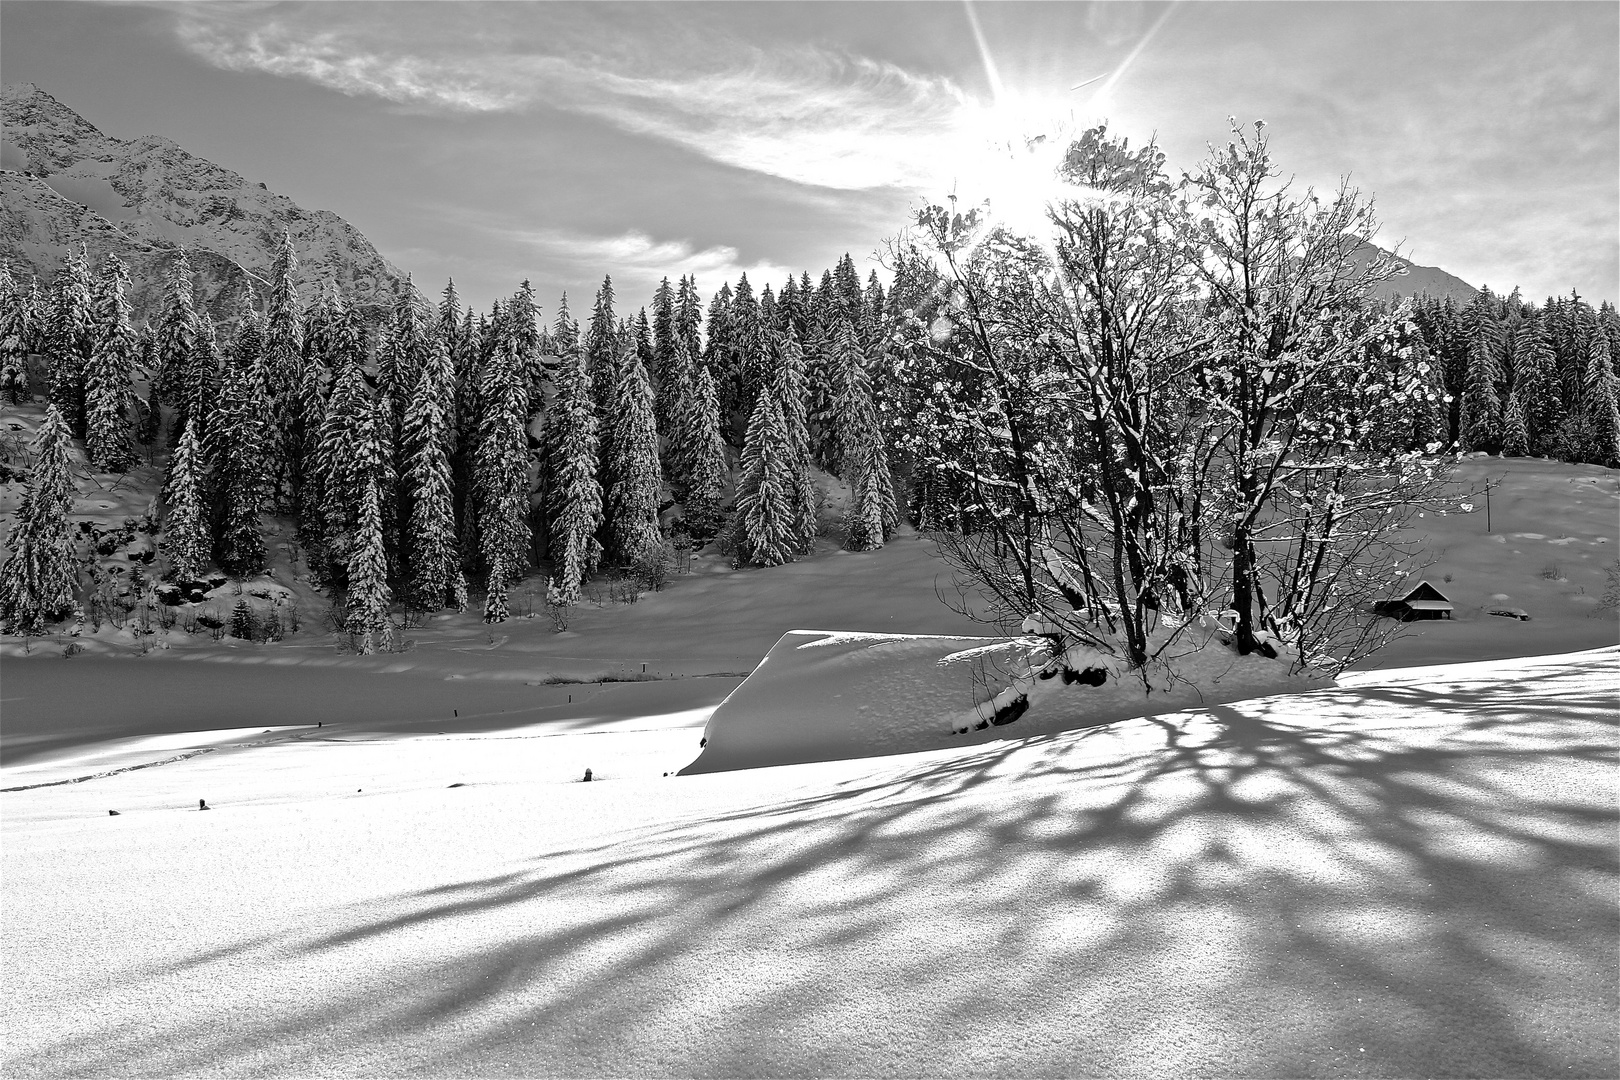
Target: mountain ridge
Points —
{"points": [[66, 183]]}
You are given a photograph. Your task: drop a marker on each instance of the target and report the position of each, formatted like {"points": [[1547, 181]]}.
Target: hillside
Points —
{"points": [[67, 182]]}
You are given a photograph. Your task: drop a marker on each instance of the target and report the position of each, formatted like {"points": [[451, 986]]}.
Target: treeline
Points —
{"points": [[1525, 380], [441, 451], [446, 447]]}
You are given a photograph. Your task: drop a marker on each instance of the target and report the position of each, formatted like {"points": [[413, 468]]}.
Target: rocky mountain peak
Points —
{"points": [[147, 197]]}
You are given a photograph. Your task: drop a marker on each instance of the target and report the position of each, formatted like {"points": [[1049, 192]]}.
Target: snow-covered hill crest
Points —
{"points": [[146, 197]]}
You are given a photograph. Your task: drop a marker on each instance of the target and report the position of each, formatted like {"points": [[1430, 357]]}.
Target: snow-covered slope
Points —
{"points": [[824, 695], [1413, 874], [146, 196]]}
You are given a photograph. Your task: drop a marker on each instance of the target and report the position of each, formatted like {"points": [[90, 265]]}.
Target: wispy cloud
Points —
{"points": [[803, 113], [638, 259]]}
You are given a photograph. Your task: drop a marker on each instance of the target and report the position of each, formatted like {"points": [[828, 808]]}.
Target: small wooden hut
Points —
{"points": [[1423, 602]]}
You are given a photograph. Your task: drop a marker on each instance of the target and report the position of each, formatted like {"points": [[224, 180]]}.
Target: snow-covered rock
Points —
{"points": [[69, 183]]}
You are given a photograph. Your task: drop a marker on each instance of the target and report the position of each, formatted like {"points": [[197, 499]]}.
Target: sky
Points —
{"points": [[560, 142]]}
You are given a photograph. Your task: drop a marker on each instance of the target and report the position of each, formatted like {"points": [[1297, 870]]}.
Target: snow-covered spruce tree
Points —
{"points": [[523, 327], [1515, 437], [177, 345], [237, 437], [501, 477], [717, 355], [630, 471], [109, 394], [1481, 407], [70, 338], [765, 529], [1601, 393], [349, 458], [37, 579], [677, 423], [367, 599], [602, 348], [573, 493], [689, 317], [433, 554], [1536, 383], [14, 335], [663, 371], [788, 384], [283, 362], [751, 358], [708, 470], [186, 540], [849, 388], [864, 459]]}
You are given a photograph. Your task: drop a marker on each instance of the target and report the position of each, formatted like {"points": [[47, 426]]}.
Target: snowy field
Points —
{"points": [[1413, 873]]}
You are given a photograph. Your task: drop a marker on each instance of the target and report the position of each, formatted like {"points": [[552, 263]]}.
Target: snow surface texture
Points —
{"points": [[1411, 874], [824, 695]]}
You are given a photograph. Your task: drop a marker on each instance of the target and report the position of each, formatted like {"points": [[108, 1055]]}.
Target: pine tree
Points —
{"points": [[238, 435], [523, 327], [718, 358], [368, 597], [602, 348], [14, 335], [680, 429], [1601, 395], [109, 394], [434, 559], [177, 345], [749, 365], [284, 379], [573, 493], [765, 527], [788, 385], [71, 338], [185, 521], [630, 472], [707, 470], [501, 477], [689, 317], [1539, 390], [850, 389], [351, 458], [664, 343], [865, 463], [1481, 408], [38, 578], [1515, 436]]}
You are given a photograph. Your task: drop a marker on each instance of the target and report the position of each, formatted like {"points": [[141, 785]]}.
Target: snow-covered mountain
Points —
{"points": [[65, 183], [1416, 279]]}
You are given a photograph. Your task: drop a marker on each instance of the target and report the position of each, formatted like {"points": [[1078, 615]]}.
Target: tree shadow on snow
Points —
{"points": [[1416, 881]]}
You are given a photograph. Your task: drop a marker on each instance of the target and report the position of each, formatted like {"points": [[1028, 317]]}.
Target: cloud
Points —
{"points": [[636, 258], [802, 113]]}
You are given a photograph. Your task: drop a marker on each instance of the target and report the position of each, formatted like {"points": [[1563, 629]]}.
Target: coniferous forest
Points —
{"points": [[433, 456]]}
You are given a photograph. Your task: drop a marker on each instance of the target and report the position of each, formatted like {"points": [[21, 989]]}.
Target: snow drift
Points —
{"points": [[824, 695]]}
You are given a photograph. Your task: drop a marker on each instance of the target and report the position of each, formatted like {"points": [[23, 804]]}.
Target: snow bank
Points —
{"points": [[823, 695]]}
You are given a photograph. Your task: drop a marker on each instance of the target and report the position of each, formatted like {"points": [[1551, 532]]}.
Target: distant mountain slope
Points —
{"points": [[146, 197], [1417, 279]]}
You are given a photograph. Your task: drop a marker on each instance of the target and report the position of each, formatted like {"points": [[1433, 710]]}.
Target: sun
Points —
{"points": [[1006, 156]]}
